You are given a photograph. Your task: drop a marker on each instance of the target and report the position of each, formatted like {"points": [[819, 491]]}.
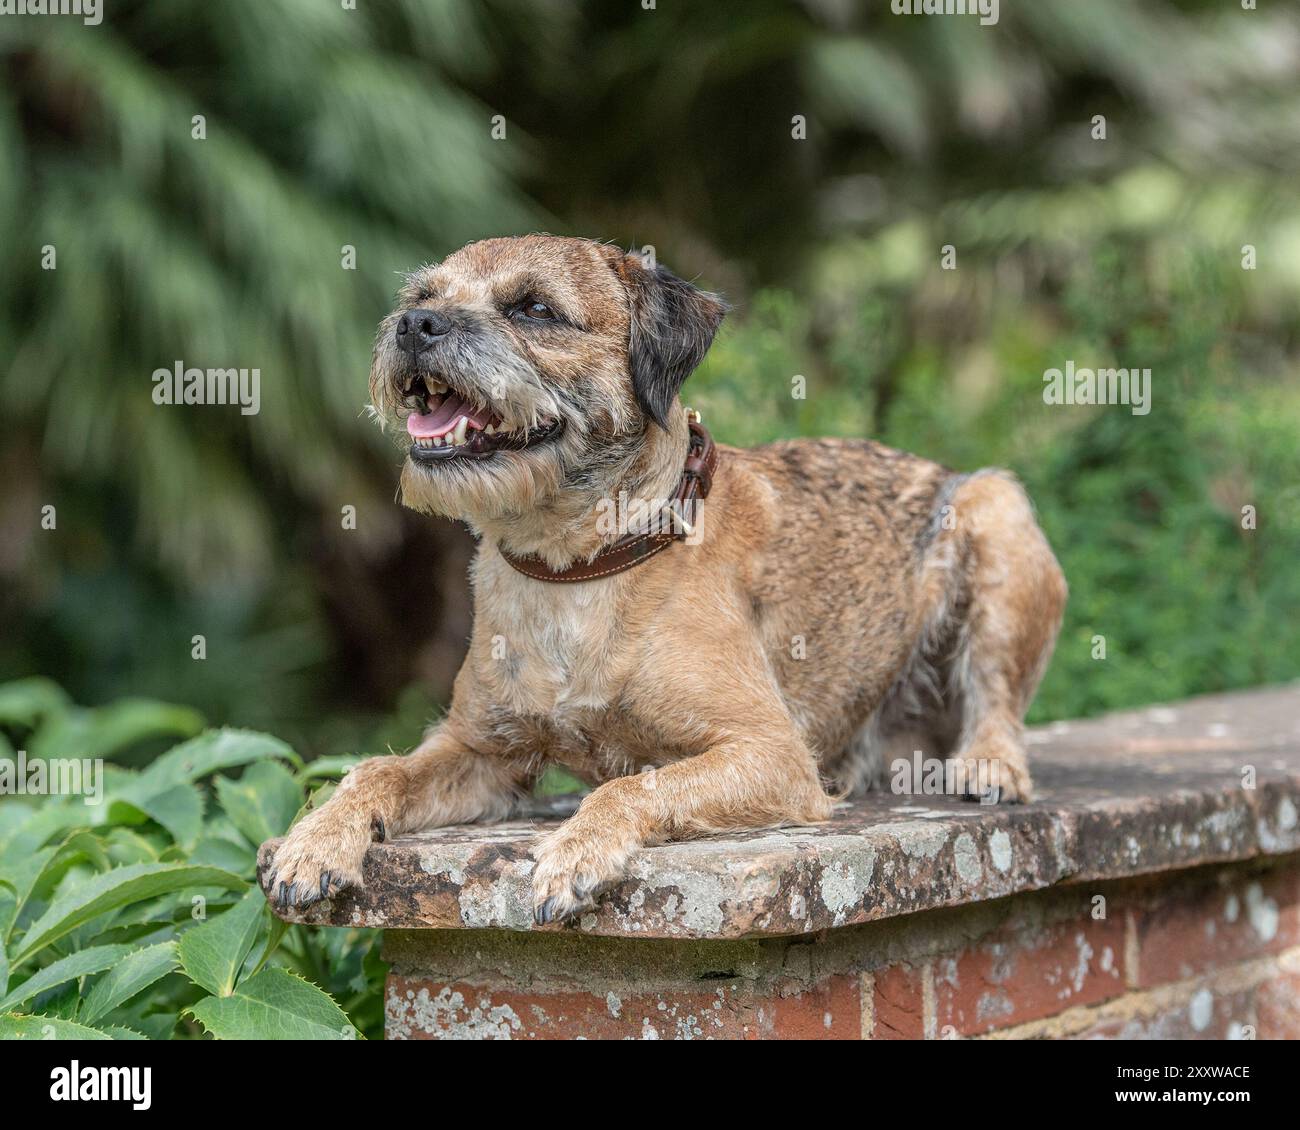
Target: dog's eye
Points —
{"points": [[537, 310]]}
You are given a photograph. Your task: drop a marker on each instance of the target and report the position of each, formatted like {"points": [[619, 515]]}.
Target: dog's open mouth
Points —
{"points": [[444, 425]]}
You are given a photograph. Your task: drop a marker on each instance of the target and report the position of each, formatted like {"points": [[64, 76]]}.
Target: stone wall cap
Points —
{"points": [[1128, 794]]}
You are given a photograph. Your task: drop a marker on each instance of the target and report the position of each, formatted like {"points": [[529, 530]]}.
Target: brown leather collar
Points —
{"points": [[632, 549]]}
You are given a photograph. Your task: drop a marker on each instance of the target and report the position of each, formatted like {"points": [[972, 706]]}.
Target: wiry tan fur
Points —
{"points": [[845, 600]]}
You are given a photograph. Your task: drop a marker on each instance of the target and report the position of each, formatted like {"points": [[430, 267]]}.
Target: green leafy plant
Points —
{"points": [[138, 916]]}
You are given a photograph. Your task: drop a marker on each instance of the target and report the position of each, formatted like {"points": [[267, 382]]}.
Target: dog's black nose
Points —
{"points": [[419, 329]]}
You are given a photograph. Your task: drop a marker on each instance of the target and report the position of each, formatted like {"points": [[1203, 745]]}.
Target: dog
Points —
{"points": [[836, 599]]}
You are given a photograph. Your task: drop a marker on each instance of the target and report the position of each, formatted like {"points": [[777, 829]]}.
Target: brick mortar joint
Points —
{"points": [[491, 980]]}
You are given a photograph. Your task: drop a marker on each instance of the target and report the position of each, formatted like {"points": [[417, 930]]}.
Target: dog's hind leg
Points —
{"points": [[441, 782], [1010, 612]]}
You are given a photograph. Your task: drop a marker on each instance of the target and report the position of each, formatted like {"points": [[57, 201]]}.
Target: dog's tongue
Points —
{"points": [[444, 418]]}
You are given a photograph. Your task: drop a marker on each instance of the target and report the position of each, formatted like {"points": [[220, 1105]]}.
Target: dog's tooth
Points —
{"points": [[462, 425], [489, 430], [437, 441]]}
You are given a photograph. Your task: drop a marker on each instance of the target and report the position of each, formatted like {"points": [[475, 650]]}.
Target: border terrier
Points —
{"points": [[841, 600]]}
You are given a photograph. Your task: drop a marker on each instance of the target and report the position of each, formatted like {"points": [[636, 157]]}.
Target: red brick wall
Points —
{"points": [[1211, 953]]}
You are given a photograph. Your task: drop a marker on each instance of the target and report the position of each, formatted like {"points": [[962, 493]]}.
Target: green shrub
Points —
{"points": [[139, 916]]}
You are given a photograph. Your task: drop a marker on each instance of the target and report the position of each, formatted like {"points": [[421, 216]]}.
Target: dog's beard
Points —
{"points": [[502, 488]]}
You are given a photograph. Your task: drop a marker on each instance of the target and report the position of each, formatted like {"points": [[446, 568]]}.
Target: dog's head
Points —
{"points": [[521, 369]]}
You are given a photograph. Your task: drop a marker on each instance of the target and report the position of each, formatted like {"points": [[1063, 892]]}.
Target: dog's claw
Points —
{"points": [[565, 906], [325, 885], [377, 827]]}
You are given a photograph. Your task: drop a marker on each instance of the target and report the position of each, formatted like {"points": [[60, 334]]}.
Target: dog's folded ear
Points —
{"points": [[672, 326]]}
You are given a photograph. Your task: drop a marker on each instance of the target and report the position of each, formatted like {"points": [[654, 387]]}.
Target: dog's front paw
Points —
{"points": [[1007, 783], [575, 863], [315, 861]]}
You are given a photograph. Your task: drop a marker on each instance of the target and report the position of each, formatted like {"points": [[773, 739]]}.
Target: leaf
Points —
{"points": [[54, 816], [22, 879], [75, 965], [116, 1032], [122, 724], [135, 972], [179, 809], [278, 928], [128, 846], [106, 731], [202, 756], [213, 953], [157, 1025], [117, 888], [274, 1005], [333, 766], [14, 1027], [262, 803], [85, 846], [25, 701], [217, 851], [49, 864], [62, 1002]]}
